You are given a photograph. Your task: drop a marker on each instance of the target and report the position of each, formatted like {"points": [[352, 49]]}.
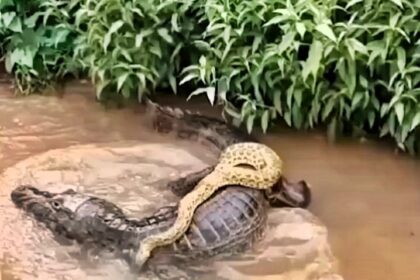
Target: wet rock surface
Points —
{"points": [[133, 175]]}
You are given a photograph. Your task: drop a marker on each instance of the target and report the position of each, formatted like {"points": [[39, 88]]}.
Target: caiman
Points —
{"points": [[229, 222]]}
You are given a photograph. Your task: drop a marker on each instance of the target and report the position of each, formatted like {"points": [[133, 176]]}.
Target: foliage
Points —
{"points": [[351, 65], [37, 41]]}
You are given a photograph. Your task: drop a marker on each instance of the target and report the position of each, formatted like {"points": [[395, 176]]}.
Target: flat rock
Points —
{"points": [[133, 175]]}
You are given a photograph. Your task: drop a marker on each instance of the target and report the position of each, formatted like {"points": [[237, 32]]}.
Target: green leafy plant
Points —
{"points": [[132, 47], [352, 66], [37, 42]]}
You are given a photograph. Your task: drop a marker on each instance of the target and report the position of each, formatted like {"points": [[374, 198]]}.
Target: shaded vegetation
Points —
{"points": [[351, 65]]}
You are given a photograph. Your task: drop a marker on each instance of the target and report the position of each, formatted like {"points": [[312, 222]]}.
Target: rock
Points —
{"points": [[134, 175]]}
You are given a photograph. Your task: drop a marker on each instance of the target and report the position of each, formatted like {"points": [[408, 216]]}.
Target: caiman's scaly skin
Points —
{"points": [[229, 222], [245, 164]]}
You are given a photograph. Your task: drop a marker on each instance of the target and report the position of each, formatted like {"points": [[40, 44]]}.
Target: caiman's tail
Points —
{"points": [[193, 126]]}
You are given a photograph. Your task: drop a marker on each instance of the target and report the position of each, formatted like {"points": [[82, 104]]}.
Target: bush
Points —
{"points": [[37, 42], [351, 65], [131, 47]]}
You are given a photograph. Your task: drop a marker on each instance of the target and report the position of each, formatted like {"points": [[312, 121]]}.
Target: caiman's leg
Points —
{"points": [[186, 184]]}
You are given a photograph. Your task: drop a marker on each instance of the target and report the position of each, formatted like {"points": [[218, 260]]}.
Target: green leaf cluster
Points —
{"points": [[352, 66], [37, 41]]}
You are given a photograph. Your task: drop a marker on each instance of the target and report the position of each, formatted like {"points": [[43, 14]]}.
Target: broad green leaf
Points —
{"points": [[391, 123], [156, 50], [404, 132], [328, 109], [277, 101], [256, 43], [363, 82], [16, 25], [357, 97], [188, 77], [301, 29], [127, 55], [31, 21], [275, 20], [312, 62], [415, 121], [174, 22], [61, 36], [203, 61], [202, 45], [286, 42], [114, 28], [399, 111], [398, 2], [23, 57], [247, 108], [250, 123], [297, 116], [265, 120], [297, 95], [384, 130], [384, 109], [232, 111], [352, 2], [288, 118], [100, 86], [393, 20], [326, 30], [226, 50], [371, 118], [172, 83], [163, 32], [401, 58], [357, 46], [210, 91], [121, 80], [8, 18], [211, 94], [6, 3], [226, 34], [125, 91], [8, 63]]}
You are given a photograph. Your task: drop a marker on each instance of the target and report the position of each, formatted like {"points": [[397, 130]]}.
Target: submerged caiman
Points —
{"points": [[229, 222]]}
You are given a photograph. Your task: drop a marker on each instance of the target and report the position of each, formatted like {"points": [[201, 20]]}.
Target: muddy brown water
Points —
{"points": [[367, 195]]}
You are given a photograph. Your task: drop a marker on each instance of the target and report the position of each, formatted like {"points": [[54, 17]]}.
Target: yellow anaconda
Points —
{"points": [[246, 164]]}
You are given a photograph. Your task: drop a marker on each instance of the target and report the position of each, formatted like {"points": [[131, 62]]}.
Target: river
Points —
{"points": [[367, 195]]}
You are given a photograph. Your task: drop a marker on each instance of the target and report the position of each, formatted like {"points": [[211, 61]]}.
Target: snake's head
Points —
{"points": [[290, 194]]}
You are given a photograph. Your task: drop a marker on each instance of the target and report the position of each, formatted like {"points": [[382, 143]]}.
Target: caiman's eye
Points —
{"points": [[69, 191], [56, 205]]}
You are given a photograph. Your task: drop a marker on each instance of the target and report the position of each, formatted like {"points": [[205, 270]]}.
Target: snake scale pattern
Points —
{"points": [[244, 164]]}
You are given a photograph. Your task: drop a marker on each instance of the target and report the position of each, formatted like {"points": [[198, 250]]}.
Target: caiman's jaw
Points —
{"points": [[50, 208], [290, 194]]}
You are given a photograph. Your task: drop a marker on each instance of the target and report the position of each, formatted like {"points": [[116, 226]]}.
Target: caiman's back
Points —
{"points": [[232, 219], [195, 127], [228, 223]]}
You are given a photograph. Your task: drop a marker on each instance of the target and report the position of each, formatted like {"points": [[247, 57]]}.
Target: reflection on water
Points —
{"points": [[367, 195]]}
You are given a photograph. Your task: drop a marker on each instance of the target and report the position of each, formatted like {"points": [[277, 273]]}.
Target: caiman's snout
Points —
{"points": [[24, 195], [20, 195]]}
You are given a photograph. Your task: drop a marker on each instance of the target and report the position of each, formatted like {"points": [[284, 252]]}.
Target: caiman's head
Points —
{"points": [[289, 194], [63, 213]]}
